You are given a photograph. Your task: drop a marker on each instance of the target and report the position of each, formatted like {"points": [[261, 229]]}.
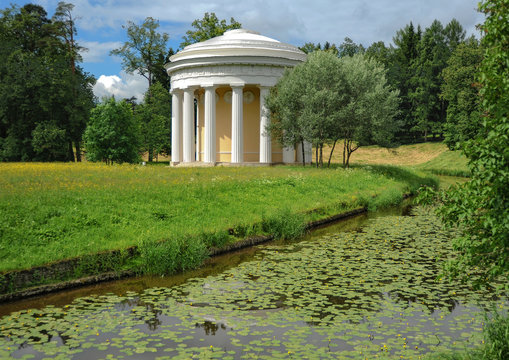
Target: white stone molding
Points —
{"points": [[265, 140], [264, 75], [210, 124], [188, 128], [237, 125], [176, 125]]}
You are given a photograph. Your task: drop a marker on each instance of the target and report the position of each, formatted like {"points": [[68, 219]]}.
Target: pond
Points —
{"points": [[367, 288]]}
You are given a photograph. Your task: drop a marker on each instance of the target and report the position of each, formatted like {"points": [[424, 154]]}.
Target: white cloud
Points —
{"points": [[296, 21], [96, 52], [123, 86]]}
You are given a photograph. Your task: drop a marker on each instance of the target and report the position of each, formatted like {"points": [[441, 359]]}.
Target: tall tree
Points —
{"points": [[145, 50], [430, 110], [154, 120], [461, 91], [349, 48], [43, 92], [369, 116], [402, 73], [208, 27], [78, 101], [454, 34], [306, 102], [327, 98], [480, 207]]}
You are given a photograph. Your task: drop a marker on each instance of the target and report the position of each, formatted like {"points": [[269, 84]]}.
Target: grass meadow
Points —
{"points": [[54, 211]]}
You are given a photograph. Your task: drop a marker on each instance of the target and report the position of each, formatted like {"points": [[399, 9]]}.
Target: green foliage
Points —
{"points": [[369, 115], [326, 99], [145, 50], [208, 27], [284, 224], [112, 133], [349, 48], [461, 92], [480, 207], [307, 101], [45, 97], [154, 117], [50, 140], [496, 337]]}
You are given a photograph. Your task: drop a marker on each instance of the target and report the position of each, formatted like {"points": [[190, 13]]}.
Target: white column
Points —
{"points": [[188, 122], [176, 122], [210, 124], [197, 132], [237, 122], [265, 140]]}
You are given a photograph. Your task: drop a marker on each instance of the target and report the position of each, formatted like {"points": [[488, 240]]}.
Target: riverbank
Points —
{"points": [[95, 215]]}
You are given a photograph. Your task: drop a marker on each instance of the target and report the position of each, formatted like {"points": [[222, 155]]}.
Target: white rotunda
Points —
{"points": [[218, 89]]}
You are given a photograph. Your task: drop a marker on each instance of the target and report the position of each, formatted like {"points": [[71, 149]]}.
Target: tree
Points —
{"points": [[43, 91], [454, 34], [434, 50], [369, 116], [306, 102], [402, 75], [207, 28], [145, 50], [112, 134], [154, 118], [350, 48], [327, 98], [480, 207], [461, 91]]}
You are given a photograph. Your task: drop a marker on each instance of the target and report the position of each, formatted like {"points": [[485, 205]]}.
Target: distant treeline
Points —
{"points": [[46, 98], [435, 73]]}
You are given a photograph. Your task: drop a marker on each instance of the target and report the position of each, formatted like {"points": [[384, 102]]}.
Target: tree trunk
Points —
{"points": [[70, 154], [321, 155], [349, 152], [303, 153], [344, 152], [78, 150], [150, 154], [331, 152], [316, 155]]}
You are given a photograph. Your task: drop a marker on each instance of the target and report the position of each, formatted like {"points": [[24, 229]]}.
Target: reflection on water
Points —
{"points": [[337, 293]]}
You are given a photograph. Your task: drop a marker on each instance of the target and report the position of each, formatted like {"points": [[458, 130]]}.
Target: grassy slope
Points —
{"points": [[433, 157], [56, 211]]}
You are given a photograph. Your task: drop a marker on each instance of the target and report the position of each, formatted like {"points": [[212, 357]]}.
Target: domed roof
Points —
{"points": [[240, 45]]}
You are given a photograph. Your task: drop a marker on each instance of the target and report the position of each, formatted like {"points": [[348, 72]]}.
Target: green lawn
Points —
{"points": [[56, 211]]}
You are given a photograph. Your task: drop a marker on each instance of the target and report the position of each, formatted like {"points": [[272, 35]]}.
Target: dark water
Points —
{"points": [[368, 287]]}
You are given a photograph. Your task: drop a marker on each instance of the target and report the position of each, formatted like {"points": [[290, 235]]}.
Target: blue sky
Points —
{"points": [[293, 21]]}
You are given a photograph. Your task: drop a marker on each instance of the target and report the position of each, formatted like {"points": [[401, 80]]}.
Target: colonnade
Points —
{"points": [[183, 142]]}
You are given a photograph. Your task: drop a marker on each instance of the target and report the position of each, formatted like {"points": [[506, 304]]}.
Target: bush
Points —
{"points": [[112, 134]]}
